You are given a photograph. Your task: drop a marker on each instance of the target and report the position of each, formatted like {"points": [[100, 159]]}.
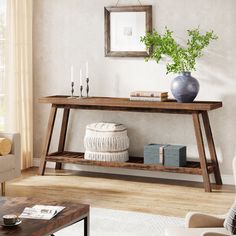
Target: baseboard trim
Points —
{"points": [[227, 179]]}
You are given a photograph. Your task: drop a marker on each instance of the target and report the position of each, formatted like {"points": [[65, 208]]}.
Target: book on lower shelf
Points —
{"points": [[153, 94], [149, 99], [41, 212]]}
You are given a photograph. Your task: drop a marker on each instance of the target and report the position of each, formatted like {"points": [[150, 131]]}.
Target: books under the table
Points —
{"points": [[42, 212], [149, 99], [149, 94]]}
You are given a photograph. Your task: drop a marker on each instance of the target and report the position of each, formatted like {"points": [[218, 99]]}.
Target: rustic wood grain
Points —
{"points": [[107, 11], [3, 188], [192, 167], [106, 103], [211, 146], [123, 192], [30, 227], [124, 104], [62, 139], [201, 151], [107, 31], [50, 127]]}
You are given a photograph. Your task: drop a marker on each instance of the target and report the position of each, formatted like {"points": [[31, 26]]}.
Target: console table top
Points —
{"points": [[110, 103]]}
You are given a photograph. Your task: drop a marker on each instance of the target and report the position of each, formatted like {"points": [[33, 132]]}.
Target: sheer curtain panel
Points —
{"points": [[19, 75]]}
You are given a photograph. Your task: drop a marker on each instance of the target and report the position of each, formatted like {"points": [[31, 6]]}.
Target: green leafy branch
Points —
{"points": [[182, 59]]}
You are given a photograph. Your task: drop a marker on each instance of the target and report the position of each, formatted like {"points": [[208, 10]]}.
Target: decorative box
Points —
{"points": [[153, 154], [164, 154]]}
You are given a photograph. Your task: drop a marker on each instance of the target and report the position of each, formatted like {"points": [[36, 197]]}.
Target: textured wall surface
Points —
{"points": [[72, 32]]}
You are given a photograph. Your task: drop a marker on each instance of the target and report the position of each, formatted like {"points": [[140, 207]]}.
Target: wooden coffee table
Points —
{"points": [[71, 214]]}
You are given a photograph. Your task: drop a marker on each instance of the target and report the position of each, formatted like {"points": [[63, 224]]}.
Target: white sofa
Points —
{"points": [[200, 224], [213, 227], [10, 165]]}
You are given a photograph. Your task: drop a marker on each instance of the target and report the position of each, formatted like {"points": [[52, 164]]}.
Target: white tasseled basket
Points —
{"points": [[5, 146], [107, 156], [106, 142], [103, 137]]}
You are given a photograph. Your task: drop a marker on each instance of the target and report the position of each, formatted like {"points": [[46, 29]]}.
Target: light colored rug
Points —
{"points": [[106, 222]]}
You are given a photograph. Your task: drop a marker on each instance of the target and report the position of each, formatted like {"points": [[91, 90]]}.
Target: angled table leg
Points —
{"points": [[62, 139], [51, 122], [201, 151], [211, 146], [86, 226], [3, 188]]}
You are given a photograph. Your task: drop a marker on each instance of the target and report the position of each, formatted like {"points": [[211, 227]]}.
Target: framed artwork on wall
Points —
{"points": [[124, 26]]}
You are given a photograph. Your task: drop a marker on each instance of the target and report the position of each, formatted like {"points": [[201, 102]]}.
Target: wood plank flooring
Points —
{"points": [[157, 196]]}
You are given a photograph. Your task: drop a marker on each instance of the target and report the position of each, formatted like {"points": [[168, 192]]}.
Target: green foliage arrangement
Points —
{"points": [[182, 58]]}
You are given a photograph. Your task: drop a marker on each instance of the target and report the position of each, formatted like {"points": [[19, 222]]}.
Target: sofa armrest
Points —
{"points": [[214, 234], [201, 220], [15, 149]]}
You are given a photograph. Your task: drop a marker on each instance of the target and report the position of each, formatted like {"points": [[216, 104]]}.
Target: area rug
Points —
{"points": [[106, 222]]}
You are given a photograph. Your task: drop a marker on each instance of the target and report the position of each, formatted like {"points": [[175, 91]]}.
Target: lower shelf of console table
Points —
{"points": [[136, 163]]}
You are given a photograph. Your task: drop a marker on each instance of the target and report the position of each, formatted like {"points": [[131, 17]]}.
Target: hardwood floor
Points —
{"points": [[163, 197]]}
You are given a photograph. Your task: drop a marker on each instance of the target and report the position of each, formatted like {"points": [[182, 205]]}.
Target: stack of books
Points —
{"points": [[153, 96]]}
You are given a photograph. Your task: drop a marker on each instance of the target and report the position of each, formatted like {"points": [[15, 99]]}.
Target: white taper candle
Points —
{"points": [[87, 75], [72, 73], [80, 77]]}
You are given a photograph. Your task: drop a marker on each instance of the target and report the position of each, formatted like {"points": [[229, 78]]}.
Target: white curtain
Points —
{"points": [[19, 97]]}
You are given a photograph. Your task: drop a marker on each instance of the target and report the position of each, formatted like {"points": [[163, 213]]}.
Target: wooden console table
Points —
{"points": [[195, 109]]}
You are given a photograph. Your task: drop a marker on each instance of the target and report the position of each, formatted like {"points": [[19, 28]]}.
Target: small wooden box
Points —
{"points": [[152, 154], [164, 154]]}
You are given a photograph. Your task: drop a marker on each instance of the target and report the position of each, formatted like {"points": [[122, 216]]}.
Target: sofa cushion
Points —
{"points": [[193, 231], [230, 220], [5, 146]]}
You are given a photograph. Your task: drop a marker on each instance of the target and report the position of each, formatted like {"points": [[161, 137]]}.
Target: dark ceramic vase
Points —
{"points": [[184, 87]]}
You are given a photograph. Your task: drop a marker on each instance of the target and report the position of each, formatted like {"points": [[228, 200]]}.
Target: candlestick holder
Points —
{"points": [[87, 87], [81, 91], [72, 90]]}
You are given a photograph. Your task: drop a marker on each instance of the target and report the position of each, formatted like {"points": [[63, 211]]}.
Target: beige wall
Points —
{"points": [[71, 32]]}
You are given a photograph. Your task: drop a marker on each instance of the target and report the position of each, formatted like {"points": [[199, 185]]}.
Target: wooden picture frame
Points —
{"points": [[124, 25]]}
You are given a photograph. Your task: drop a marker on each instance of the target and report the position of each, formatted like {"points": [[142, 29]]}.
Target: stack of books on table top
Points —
{"points": [[151, 96]]}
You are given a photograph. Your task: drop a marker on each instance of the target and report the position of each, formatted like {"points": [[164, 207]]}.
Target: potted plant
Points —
{"points": [[182, 59]]}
